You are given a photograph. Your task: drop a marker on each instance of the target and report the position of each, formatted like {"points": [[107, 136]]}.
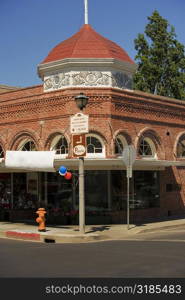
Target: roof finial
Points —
{"points": [[86, 11]]}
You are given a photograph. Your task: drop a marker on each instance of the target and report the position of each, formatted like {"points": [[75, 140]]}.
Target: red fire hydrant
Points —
{"points": [[41, 219]]}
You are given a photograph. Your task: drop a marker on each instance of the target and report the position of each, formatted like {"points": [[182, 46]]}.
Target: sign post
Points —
{"points": [[129, 157], [79, 125], [79, 150]]}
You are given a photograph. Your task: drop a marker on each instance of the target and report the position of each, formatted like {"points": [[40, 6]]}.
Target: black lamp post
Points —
{"points": [[81, 101]]}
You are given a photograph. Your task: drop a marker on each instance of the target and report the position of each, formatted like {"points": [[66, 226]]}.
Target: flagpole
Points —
{"points": [[86, 11]]}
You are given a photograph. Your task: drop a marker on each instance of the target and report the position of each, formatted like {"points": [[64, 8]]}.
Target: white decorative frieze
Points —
{"points": [[55, 82], [87, 78], [93, 78]]}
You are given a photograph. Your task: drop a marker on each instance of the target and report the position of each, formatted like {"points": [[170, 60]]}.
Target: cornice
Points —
{"points": [[147, 96], [122, 104], [146, 109], [67, 63]]}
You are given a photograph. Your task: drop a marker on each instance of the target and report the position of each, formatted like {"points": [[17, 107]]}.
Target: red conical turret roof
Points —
{"points": [[87, 43]]}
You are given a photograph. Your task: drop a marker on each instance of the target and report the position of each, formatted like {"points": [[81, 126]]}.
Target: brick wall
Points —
{"points": [[111, 111]]}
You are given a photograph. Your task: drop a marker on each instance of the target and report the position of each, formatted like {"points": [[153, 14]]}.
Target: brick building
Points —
{"points": [[38, 118], [6, 88]]}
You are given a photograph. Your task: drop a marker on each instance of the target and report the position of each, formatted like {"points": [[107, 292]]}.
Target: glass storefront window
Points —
{"points": [[5, 191], [25, 191], [96, 190], [146, 189], [105, 193], [59, 192], [119, 190]]}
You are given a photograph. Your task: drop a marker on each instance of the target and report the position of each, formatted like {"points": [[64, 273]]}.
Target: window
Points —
{"points": [[96, 190], [147, 148], [95, 146], [120, 143], [181, 147], [60, 145], [1, 152], [147, 189], [27, 146]]}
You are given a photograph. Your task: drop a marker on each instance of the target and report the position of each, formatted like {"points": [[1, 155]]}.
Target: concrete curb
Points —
{"points": [[160, 228], [69, 236], [47, 238], [22, 235]]}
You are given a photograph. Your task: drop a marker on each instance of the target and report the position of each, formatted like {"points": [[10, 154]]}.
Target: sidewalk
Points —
{"points": [[71, 234]]}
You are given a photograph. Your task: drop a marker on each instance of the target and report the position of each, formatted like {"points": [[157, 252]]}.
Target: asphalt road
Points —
{"points": [[145, 255]]}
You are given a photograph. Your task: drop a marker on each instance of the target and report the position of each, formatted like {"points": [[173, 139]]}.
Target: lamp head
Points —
{"points": [[81, 101]]}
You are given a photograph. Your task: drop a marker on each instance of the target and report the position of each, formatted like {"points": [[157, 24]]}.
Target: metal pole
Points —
{"points": [[128, 204], [46, 189], [12, 195], [86, 11], [81, 196]]}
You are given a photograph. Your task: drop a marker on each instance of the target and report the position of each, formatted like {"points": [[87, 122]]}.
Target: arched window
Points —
{"points": [[60, 145], [147, 148], [119, 144], [95, 147], [181, 147], [1, 152], [27, 145]]}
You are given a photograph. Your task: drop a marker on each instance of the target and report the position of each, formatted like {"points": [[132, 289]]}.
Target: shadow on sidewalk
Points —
{"points": [[99, 228]]}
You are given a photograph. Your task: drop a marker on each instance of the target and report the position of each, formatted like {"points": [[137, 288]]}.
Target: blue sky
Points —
{"points": [[31, 28]]}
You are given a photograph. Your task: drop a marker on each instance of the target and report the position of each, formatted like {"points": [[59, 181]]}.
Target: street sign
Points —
{"points": [[129, 155], [79, 123], [79, 145]]}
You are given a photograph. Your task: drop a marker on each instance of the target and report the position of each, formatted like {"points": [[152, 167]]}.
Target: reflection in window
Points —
{"points": [[1, 152], [145, 148], [96, 190], [59, 191], [29, 146], [61, 147], [146, 189], [118, 190], [181, 147], [94, 145]]}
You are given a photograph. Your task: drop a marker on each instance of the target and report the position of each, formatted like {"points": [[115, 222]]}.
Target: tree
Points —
{"points": [[161, 60]]}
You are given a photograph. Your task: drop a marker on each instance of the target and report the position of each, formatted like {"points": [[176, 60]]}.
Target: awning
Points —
{"points": [[99, 164], [117, 164], [30, 161]]}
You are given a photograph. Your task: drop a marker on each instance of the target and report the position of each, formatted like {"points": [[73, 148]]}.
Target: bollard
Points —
{"points": [[41, 219]]}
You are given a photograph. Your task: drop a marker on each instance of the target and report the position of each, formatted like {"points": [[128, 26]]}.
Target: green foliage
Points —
{"points": [[161, 60]]}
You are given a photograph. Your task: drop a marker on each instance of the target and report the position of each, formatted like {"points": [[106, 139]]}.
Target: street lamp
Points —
{"points": [[81, 102]]}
